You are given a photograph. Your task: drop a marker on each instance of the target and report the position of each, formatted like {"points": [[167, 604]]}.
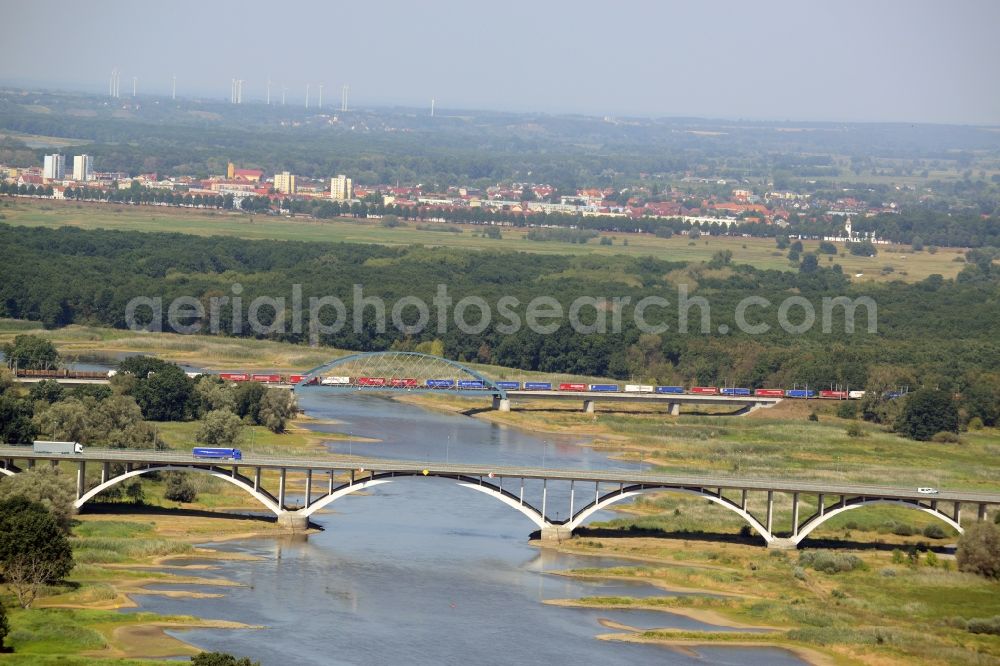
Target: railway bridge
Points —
{"points": [[581, 493]]}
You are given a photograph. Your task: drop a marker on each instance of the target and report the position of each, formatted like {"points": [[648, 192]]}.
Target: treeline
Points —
{"points": [[920, 227], [936, 332]]}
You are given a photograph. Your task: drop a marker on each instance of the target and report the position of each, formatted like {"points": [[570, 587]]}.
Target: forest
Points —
{"points": [[936, 332]]}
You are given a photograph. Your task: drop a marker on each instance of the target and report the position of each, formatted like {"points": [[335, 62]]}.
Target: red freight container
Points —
{"points": [[370, 381], [266, 379], [705, 390], [769, 393], [397, 382], [234, 377], [572, 387], [834, 395]]}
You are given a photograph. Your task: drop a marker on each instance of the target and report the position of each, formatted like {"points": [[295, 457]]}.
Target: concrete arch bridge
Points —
{"points": [[579, 493]]}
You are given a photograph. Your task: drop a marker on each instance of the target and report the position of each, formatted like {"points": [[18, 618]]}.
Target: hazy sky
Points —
{"points": [[908, 60]]}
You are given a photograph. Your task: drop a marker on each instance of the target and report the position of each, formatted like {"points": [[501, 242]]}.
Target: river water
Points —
{"points": [[422, 571]]}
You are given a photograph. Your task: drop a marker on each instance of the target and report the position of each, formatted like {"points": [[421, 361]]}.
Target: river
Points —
{"points": [[422, 571]]}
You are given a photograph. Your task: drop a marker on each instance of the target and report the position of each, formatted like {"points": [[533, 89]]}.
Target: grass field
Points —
{"points": [[760, 252]]}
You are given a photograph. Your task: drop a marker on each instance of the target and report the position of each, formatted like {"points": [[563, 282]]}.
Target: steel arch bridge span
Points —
{"points": [[820, 517], [238, 480], [399, 365]]}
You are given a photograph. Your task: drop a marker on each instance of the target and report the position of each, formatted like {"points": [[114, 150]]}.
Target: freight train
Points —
{"points": [[478, 384]]}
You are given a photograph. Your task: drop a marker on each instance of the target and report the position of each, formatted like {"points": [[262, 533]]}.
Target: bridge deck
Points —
{"points": [[380, 465]]}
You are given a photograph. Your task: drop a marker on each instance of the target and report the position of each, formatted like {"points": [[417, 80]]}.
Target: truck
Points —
{"points": [[217, 453], [59, 448]]}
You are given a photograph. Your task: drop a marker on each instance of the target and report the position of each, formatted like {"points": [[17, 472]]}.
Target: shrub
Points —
{"points": [[830, 562], [945, 437], [813, 416], [975, 423], [897, 556], [932, 559], [855, 430], [984, 625], [934, 532], [979, 550], [847, 410], [179, 488], [902, 529]]}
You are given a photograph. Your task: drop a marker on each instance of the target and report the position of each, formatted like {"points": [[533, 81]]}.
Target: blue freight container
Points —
{"points": [[670, 389], [800, 393], [509, 386], [604, 388], [735, 391], [537, 386], [440, 383], [471, 384]]}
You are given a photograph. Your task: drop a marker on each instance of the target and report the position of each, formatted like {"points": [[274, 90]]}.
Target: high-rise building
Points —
{"points": [[55, 167], [284, 182], [341, 188], [83, 167]]}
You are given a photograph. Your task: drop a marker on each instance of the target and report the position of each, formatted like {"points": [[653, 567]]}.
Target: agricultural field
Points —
{"points": [[760, 252]]}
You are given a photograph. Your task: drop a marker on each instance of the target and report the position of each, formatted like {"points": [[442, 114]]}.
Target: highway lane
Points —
{"points": [[380, 465]]}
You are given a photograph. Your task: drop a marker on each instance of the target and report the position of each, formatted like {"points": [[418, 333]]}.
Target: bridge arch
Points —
{"points": [[816, 519], [475, 483], [626, 492], [238, 481], [401, 364]]}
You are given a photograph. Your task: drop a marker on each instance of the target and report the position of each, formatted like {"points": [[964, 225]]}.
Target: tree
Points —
{"points": [[33, 550], [165, 395], [926, 413], [31, 352], [219, 426], [48, 390], [221, 659], [276, 408], [64, 421], [979, 550], [47, 486], [16, 425], [810, 264], [248, 400], [4, 627]]}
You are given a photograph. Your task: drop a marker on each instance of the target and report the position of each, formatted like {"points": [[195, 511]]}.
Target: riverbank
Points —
{"points": [[119, 556], [884, 608]]}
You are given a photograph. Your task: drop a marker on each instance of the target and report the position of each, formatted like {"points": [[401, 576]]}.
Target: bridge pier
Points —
{"points": [[501, 404], [293, 520], [556, 533], [588, 406], [674, 408], [781, 544]]}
